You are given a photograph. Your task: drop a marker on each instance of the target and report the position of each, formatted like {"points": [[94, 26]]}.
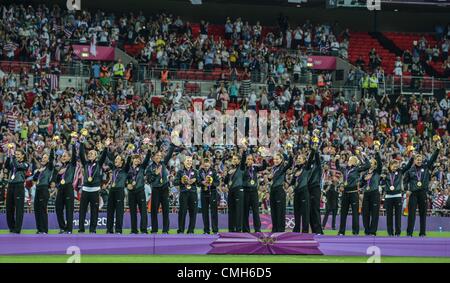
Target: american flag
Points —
{"points": [[57, 28], [68, 31], [123, 106], [439, 201], [78, 178], [11, 117], [10, 46], [50, 81]]}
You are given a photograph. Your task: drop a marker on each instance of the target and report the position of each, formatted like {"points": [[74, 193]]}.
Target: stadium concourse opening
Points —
{"points": [[95, 160]]}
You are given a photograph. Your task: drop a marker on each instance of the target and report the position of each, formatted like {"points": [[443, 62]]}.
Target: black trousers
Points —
{"points": [[188, 203], [91, 200], [314, 199], [65, 200], [417, 199], [371, 212], [301, 211], [251, 202], [235, 209], [208, 202], [115, 208], [2, 194], [350, 200], [278, 209], [333, 212], [393, 206], [137, 200], [15, 198], [40, 209], [160, 197]]}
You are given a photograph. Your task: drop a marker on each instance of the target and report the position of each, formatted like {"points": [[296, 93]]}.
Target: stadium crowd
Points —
{"points": [[41, 119], [44, 35], [32, 116]]}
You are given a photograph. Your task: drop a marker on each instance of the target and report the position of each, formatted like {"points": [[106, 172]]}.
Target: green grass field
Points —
{"points": [[218, 258], [215, 259]]}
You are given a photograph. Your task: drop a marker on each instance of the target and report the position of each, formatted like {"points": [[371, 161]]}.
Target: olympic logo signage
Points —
{"points": [[290, 222]]}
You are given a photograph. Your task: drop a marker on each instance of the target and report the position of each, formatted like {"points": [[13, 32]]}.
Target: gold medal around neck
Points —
{"points": [[134, 183], [161, 180], [13, 177], [113, 185], [90, 179], [392, 188], [63, 182], [419, 184], [346, 184], [188, 187], [252, 182]]}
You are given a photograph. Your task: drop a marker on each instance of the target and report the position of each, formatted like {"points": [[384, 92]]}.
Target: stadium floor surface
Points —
{"points": [[200, 231], [218, 258]]}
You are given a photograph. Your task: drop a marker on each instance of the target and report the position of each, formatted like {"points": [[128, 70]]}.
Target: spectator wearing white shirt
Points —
{"points": [[444, 48], [252, 101], [398, 67]]}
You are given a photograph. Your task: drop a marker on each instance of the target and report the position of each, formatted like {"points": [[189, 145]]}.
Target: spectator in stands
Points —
{"points": [[118, 69], [444, 47], [398, 67], [446, 67], [407, 60], [360, 62], [234, 90], [447, 198]]}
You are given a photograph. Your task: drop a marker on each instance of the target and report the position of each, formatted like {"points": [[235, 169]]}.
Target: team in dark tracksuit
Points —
{"points": [[136, 194], [235, 181], [278, 195], [350, 196], [15, 196], [314, 187], [116, 196], [300, 179], [90, 195], [43, 178], [371, 198], [393, 198], [208, 198], [418, 177], [331, 207], [65, 193], [188, 198], [158, 177], [251, 196]]}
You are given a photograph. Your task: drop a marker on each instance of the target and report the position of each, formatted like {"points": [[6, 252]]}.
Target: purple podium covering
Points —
{"points": [[226, 243], [105, 244], [388, 246], [434, 223], [265, 243]]}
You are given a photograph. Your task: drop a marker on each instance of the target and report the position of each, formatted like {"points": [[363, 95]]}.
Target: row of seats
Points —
{"points": [[361, 43], [405, 42], [14, 66]]}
